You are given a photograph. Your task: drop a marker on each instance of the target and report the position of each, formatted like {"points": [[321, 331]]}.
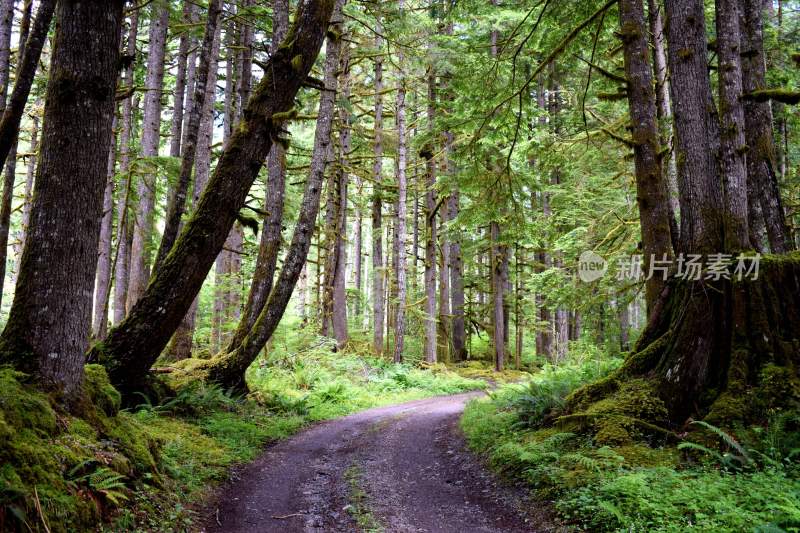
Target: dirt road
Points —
{"points": [[396, 469]]}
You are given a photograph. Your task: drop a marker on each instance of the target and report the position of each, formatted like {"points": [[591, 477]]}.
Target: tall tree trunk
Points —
{"points": [[456, 282], [122, 263], [498, 269], [733, 167], [700, 190], [658, 41], [229, 369], [102, 284], [48, 327], [182, 341], [329, 264], [444, 322], [761, 164], [358, 244], [378, 270], [339, 317], [30, 50], [651, 191], [151, 127], [431, 256], [400, 225], [271, 233], [498, 290]]}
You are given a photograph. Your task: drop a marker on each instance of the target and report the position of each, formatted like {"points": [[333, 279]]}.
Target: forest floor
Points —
{"points": [[401, 468]]}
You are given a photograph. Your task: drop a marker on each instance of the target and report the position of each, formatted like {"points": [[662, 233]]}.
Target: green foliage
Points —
{"points": [[306, 378], [667, 500], [749, 481], [547, 391]]}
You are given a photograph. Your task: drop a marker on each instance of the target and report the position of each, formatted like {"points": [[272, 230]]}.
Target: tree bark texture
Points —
{"points": [[651, 191], [48, 326], [761, 158], [733, 168]]}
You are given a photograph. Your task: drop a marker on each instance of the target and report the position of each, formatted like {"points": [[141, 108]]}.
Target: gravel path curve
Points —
{"points": [[397, 469]]}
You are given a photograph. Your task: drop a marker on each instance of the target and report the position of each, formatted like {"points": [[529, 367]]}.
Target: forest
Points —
{"points": [[392, 266]]}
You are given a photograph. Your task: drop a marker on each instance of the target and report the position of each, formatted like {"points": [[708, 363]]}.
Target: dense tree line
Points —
{"points": [[426, 186]]}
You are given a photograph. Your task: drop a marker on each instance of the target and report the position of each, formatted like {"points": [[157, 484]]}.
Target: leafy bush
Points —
{"points": [[665, 500], [548, 390], [748, 482]]}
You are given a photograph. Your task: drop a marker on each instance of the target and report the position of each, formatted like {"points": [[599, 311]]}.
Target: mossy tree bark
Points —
{"points": [[761, 157], [722, 347], [50, 319], [723, 351], [133, 346], [271, 234], [651, 191], [732, 137], [229, 369]]}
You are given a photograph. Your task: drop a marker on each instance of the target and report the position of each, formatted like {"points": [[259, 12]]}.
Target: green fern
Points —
{"points": [[104, 481]]}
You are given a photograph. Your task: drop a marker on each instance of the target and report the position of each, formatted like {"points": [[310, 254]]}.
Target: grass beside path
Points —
{"points": [[143, 469]]}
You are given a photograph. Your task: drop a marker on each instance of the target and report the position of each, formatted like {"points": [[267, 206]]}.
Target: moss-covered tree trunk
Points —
{"points": [[651, 191], [723, 344], [766, 209], [271, 234], [133, 346], [49, 322], [723, 351], [229, 369]]}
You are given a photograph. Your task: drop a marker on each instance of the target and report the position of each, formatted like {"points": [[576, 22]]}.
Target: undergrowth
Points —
{"points": [[740, 479], [145, 468]]}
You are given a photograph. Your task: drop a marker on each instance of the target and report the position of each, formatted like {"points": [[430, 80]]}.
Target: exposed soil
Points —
{"points": [[402, 468]]}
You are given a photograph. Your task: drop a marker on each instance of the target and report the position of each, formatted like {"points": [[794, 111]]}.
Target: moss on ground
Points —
{"points": [[143, 467]]}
